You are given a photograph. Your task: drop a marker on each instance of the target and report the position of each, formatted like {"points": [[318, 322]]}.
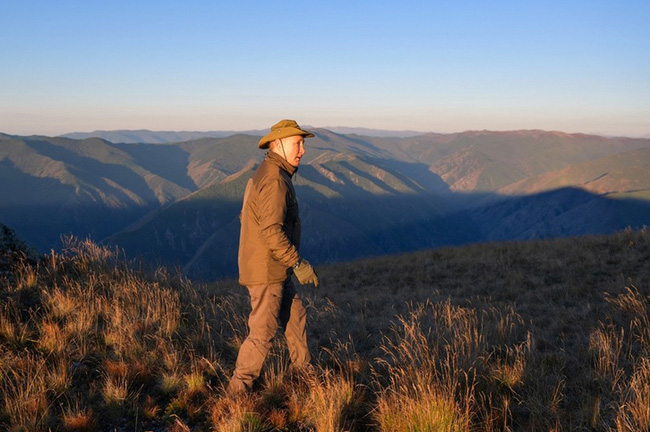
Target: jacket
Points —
{"points": [[269, 239]]}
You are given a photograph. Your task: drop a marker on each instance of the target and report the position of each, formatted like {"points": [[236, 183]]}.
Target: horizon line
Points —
{"points": [[332, 129]]}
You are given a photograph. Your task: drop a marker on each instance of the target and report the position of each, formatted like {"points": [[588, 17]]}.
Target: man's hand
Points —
{"points": [[305, 273]]}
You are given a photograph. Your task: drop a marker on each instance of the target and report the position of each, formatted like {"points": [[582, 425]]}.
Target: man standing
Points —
{"points": [[268, 254]]}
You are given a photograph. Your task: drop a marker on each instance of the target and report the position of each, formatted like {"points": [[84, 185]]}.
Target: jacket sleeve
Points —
{"points": [[272, 213]]}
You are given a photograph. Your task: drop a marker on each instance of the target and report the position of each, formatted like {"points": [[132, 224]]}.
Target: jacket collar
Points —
{"points": [[282, 163]]}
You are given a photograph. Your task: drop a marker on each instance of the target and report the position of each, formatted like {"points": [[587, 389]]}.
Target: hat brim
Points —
{"points": [[283, 133]]}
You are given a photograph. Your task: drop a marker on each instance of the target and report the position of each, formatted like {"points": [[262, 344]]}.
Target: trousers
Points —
{"points": [[272, 306]]}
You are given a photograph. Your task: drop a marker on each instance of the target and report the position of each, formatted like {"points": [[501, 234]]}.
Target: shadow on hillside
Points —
{"points": [[420, 179], [417, 174], [96, 173], [336, 230], [558, 213], [43, 210], [167, 161]]}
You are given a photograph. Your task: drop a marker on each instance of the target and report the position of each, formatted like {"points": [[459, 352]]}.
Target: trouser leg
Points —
{"points": [[293, 319], [263, 323]]}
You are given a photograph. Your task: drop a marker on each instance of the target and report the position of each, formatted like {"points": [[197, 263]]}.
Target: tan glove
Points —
{"points": [[305, 273]]}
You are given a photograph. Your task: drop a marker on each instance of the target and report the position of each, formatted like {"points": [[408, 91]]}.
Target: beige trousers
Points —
{"points": [[272, 306]]}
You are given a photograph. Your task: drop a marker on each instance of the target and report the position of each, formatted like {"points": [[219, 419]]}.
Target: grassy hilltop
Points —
{"points": [[531, 336]]}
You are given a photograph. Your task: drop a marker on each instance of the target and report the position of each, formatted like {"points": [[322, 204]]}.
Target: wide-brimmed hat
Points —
{"points": [[283, 129]]}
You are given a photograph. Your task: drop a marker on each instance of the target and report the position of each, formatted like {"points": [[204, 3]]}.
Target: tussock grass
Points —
{"points": [[330, 397], [77, 419], [531, 336]]}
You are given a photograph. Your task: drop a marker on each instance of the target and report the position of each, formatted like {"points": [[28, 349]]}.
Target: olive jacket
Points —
{"points": [[270, 224]]}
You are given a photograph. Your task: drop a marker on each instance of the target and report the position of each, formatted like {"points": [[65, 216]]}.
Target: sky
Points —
{"points": [[439, 66]]}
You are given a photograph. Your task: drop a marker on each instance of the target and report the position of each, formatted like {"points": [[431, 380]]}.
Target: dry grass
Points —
{"points": [[78, 419], [330, 397], [533, 336]]}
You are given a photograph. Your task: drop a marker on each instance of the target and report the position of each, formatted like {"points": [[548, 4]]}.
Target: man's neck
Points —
{"points": [[284, 164]]}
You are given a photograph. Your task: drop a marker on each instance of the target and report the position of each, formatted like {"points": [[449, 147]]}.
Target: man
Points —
{"points": [[268, 255]]}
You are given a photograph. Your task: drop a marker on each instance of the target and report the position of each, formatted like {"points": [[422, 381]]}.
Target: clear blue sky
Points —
{"points": [[575, 66]]}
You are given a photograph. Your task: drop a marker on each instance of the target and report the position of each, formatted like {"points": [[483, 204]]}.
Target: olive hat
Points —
{"points": [[283, 129]]}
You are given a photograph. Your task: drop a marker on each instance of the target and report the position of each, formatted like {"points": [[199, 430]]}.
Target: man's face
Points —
{"points": [[294, 149]]}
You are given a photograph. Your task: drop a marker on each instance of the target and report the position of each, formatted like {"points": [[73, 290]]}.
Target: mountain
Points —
{"points": [[373, 132], [339, 178], [615, 188], [559, 213], [470, 169], [362, 197], [511, 154], [161, 137], [178, 203], [54, 186], [621, 173], [153, 137]]}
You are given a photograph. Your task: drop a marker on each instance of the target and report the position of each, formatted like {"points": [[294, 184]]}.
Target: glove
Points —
{"points": [[305, 273]]}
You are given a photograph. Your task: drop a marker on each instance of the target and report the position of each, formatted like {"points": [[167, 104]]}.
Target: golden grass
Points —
{"points": [[532, 336], [77, 418], [330, 395], [79, 421], [25, 393]]}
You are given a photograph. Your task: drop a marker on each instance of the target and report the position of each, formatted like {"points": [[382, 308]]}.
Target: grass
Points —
{"points": [[529, 336]]}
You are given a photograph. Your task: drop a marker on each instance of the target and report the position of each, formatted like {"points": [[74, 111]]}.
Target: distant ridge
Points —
{"points": [[378, 133], [146, 136]]}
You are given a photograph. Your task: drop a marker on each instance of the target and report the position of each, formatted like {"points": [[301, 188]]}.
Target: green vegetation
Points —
{"points": [[541, 335]]}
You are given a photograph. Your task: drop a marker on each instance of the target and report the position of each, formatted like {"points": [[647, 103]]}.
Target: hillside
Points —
{"points": [[530, 152], [621, 173], [55, 186], [177, 203], [398, 205], [513, 336], [200, 233]]}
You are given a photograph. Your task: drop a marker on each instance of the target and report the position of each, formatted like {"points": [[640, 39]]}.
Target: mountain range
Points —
{"points": [[177, 202], [160, 137]]}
